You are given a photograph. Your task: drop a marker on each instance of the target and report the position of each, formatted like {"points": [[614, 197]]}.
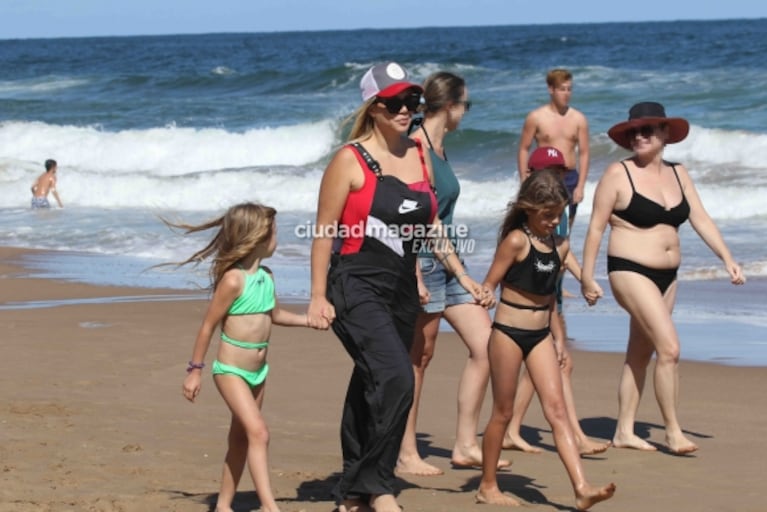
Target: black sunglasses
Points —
{"points": [[466, 104], [394, 105], [645, 131]]}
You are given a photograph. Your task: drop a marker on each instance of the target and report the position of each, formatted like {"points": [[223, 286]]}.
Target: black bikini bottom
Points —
{"points": [[526, 339], [662, 277]]}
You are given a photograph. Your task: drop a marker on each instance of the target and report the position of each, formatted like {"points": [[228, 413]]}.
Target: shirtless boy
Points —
{"points": [[45, 183], [559, 125]]}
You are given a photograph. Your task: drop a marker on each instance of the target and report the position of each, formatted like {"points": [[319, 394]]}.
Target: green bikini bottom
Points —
{"points": [[253, 379]]}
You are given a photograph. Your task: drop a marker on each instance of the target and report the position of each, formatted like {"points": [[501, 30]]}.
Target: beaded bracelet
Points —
{"points": [[194, 366]]}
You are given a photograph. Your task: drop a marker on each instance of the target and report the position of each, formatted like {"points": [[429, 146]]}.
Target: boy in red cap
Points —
{"points": [[547, 157]]}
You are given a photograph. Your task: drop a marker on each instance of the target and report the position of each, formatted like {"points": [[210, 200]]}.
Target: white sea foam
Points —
{"points": [[37, 86], [204, 169], [166, 151]]}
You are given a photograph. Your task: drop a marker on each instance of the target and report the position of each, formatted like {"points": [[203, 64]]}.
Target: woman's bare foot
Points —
{"points": [[384, 503], [472, 458], [588, 447], [680, 445], [593, 495], [353, 505], [416, 466], [632, 441], [495, 497], [517, 443]]}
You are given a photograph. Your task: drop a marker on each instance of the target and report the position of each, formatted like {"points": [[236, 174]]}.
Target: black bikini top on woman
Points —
{"points": [[537, 273], [645, 213]]}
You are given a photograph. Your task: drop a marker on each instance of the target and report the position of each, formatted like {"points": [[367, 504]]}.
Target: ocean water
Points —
{"points": [[184, 126]]}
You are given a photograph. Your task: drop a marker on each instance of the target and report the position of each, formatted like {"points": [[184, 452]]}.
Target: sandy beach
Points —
{"points": [[92, 417]]}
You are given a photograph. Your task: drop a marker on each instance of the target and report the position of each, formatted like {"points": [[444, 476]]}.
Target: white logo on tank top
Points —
{"points": [[544, 267], [407, 206]]}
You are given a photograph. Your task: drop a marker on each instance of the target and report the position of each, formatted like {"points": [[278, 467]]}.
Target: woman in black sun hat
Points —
{"points": [[645, 199]]}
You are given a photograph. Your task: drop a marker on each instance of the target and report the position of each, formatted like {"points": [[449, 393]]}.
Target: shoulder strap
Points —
{"points": [[371, 162], [623, 163], [424, 169], [673, 168], [428, 139]]}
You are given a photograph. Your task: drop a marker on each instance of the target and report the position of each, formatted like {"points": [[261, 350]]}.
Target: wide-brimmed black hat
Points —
{"points": [[649, 112]]}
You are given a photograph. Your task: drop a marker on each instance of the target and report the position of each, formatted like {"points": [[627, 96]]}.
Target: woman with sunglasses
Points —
{"points": [[375, 197], [446, 101], [645, 199]]}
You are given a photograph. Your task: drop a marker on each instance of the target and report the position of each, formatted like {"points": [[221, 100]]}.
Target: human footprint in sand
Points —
{"points": [[527, 263], [444, 293], [244, 306], [645, 199]]}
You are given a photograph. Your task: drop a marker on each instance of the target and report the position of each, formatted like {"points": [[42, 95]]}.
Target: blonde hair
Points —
{"points": [[361, 121], [558, 76], [242, 229]]}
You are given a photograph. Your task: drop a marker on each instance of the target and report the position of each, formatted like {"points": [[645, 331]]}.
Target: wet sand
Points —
{"points": [[92, 417]]}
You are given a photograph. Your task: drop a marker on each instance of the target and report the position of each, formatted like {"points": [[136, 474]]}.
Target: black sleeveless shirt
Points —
{"points": [[537, 273]]}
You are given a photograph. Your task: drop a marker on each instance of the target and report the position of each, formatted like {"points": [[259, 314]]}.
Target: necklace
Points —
{"points": [[533, 235]]}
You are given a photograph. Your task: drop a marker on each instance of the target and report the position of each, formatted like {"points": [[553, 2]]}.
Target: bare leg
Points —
{"points": [[585, 445], [513, 440], [546, 375], [651, 330], [354, 505], [245, 405], [409, 460], [384, 503], [234, 465], [472, 323], [505, 362], [666, 380]]}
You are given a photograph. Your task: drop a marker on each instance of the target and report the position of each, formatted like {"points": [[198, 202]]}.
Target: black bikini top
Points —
{"points": [[537, 273], [645, 213]]}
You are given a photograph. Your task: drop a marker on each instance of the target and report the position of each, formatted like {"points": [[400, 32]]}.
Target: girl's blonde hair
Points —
{"points": [[541, 190], [242, 229]]}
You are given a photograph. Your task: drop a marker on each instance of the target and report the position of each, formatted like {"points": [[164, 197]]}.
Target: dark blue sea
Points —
{"points": [[185, 126]]}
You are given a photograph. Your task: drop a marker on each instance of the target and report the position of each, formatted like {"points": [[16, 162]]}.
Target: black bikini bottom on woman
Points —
{"points": [[526, 339], [662, 277]]}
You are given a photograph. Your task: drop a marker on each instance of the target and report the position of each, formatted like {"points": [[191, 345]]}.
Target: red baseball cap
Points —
{"points": [[386, 80], [546, 156]]}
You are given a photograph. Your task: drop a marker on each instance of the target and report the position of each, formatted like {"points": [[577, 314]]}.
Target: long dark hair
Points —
{"points": [[541, 190]]}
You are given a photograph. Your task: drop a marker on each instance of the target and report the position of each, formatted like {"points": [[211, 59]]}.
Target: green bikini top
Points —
{"points": [[257, 295]]}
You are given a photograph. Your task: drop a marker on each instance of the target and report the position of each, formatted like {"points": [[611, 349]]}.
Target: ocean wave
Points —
{"points": [[164, 151], [35, 87], [185, 167]]}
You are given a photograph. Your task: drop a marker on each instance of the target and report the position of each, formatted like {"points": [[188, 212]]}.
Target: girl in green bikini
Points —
{"points": [[244, 306]]}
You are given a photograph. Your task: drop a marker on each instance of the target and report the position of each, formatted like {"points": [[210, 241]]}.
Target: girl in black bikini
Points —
{"points": [[527, 263]]}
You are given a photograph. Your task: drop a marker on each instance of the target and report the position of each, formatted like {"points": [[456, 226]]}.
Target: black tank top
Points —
{"points": [[382, 216], [645, 213], [537, 273]]}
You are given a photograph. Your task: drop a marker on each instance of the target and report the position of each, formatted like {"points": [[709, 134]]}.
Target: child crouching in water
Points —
{"points": [[244, 306], [527, 264]]}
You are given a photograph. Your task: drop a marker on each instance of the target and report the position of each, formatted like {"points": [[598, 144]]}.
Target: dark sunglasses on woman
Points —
{"points": [[394, 105], [645, 131]]}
